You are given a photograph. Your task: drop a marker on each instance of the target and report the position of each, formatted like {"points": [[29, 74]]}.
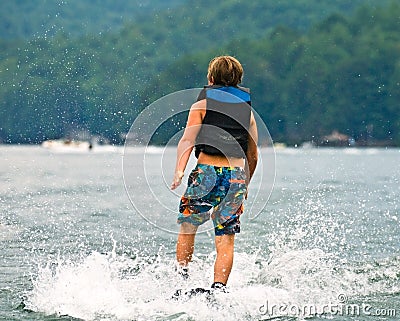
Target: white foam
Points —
{"points": [[8, 232], [116, 287]]}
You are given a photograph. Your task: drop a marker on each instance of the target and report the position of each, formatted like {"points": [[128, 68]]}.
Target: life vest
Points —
{"points": [[225, 127]]}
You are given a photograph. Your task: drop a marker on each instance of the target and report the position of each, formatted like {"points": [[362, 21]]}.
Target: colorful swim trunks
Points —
{"points": [[216, 192]]}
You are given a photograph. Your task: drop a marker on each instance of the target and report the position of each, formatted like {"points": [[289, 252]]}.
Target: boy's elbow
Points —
{"points": [[255, 160], [252, 152], [252, 158], [187, 142]]}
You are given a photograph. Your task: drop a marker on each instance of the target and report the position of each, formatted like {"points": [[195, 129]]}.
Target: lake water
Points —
{"points": [[74, 245]]}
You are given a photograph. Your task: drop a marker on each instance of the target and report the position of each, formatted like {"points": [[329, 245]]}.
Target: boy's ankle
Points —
{"points": [[219, 286], [183, 271]]}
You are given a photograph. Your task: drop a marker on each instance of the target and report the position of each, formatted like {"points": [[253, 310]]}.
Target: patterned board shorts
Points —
{"points": [[216, 192]]}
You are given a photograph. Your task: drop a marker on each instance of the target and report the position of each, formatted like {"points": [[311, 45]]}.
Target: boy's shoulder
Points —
{"points": [[203, 93], [247, 90]]}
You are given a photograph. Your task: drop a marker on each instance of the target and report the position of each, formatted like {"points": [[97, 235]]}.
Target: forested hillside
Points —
{"points": [[341, 73], [34, 18], [344, 74]]}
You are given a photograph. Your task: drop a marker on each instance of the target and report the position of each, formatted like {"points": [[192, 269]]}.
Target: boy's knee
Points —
{"points": [[224, 241]]}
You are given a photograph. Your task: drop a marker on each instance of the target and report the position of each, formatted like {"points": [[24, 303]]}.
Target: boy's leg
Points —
{"points": [[224, 261], [185, 243]]}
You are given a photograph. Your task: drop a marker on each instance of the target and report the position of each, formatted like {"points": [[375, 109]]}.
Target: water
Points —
{"points": [[73, 248]]}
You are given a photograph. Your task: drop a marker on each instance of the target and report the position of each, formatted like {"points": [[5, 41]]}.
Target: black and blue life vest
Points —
{"points": [[225, 127]]}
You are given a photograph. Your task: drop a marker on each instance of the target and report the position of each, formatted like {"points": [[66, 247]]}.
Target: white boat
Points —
{"points": [[78, 146], [67, 145]]}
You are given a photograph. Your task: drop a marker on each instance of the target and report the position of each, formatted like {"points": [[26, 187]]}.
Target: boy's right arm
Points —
{"points": [[188, 140]]}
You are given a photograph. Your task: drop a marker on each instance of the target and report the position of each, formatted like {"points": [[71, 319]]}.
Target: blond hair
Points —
{"points": [[225, 70]]}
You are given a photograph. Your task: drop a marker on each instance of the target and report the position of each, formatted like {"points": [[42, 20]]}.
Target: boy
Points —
{"points": [[222, 129]]}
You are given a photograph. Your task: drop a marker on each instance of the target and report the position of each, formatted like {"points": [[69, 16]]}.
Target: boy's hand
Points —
{"points": [[177, 179]]}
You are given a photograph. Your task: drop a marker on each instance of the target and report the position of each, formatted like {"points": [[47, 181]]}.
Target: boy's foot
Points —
{"points": [[183, 272], [219, 286], [190, 293]]}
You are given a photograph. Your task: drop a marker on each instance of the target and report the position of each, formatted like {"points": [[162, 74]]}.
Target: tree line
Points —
{"points": [[341, 74]]}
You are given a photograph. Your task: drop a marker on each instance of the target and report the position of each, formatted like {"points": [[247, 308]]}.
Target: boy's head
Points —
{"points": [[225, 71]]}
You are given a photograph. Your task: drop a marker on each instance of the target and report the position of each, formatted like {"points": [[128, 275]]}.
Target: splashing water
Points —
{"points": [[118, 287], [323, 239]]}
